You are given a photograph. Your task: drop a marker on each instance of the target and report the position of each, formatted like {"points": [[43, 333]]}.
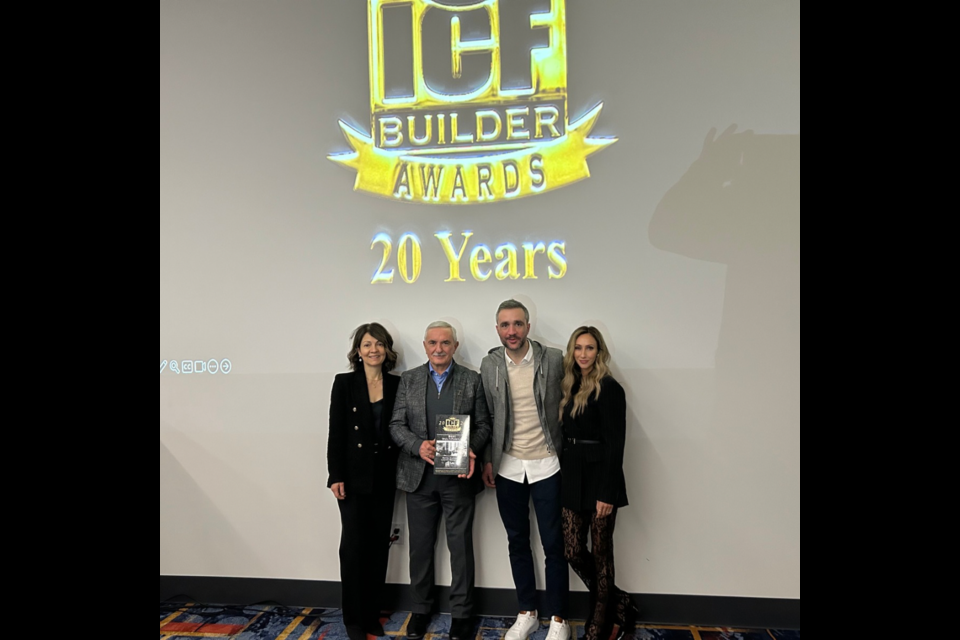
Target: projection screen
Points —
{"points": [[632, 165]]}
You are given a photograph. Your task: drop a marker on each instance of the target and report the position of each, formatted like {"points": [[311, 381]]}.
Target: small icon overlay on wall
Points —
{"points": [[196, 367]]}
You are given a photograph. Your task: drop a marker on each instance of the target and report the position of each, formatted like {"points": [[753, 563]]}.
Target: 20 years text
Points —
{"points": [[505, 262]]}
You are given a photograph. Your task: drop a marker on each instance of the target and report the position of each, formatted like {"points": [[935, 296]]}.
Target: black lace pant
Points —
{"points": [[612, 609]]}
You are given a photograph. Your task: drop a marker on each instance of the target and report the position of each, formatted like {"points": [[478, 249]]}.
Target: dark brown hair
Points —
{"points": [[513, 304], [380, 334]]}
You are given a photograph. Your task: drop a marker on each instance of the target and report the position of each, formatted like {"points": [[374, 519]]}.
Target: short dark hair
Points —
{"points": [[513, 304], [382, 335]]}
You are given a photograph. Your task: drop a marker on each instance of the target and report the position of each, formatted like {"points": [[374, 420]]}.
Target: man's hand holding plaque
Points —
{"points": [[428, 451], [473, 466]]}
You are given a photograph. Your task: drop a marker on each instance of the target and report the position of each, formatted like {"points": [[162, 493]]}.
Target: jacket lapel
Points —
{"points": [[459, 386], [541, 374], [419, 403], [361, 400]]}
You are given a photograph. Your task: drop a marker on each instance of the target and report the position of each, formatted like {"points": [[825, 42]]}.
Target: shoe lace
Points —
{"points": [[557, 631]]}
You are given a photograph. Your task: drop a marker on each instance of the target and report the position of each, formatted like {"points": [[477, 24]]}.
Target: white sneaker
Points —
{"points": [[559, 630], [526, 624]]}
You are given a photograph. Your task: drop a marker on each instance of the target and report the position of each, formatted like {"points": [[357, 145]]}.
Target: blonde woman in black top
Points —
{"points": [[594, 416]]}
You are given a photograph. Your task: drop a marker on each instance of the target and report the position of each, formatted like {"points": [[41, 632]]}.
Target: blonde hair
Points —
{"points": [[590, 386]]}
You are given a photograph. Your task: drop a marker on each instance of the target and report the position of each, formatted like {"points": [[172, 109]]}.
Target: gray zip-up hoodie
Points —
{"points": [[548, 378]]}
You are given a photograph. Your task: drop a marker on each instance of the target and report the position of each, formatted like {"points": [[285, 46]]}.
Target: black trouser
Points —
{"points": [[365, 548], [455, 500]]}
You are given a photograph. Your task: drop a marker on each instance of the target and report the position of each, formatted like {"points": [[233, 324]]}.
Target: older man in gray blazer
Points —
{"points": [[437, 388]]}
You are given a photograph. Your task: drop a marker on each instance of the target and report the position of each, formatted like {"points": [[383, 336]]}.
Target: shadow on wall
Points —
{"points": [[739, 204]]}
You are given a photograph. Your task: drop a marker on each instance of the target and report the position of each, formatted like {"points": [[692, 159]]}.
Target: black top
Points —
{"points": [[377, 408], [594, 472]]}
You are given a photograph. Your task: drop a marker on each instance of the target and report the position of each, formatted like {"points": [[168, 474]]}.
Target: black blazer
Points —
{"points": [[594, 472], [353, 437]]}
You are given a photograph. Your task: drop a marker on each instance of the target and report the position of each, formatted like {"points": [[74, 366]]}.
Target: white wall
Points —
{"points": [[685, 254]]}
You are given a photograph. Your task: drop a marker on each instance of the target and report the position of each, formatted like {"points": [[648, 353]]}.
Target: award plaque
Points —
{"points": [[453, 445]]}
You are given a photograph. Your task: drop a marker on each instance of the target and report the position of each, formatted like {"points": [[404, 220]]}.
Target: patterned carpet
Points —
{"points": [[179, 622]]}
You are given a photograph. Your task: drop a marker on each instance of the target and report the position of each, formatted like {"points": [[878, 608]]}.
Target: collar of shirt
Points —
{"points": [[527, 359], [438, 379]]}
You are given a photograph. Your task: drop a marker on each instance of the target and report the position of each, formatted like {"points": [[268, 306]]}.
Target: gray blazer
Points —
{"points": [[546, 389], [409, 425]]}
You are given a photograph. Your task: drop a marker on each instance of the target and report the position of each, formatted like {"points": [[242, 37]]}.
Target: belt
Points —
{"points": [[576, 441]]}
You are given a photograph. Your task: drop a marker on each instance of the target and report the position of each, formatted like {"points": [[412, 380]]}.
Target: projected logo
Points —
{"points": [[460, 132]]}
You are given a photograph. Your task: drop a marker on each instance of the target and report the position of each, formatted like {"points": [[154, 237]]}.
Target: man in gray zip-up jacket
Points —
{"points": [[522, 383]]}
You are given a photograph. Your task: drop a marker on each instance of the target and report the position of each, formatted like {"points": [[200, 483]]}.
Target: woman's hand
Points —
{"points": [[339, 491], [604, 510]]}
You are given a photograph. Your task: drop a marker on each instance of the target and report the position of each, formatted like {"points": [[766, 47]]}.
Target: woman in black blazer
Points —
{"points": [[362, 462], [594, 417]]}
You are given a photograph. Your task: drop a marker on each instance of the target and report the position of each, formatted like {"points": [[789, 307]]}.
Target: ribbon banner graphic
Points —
{"points": [[484, 144]]}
